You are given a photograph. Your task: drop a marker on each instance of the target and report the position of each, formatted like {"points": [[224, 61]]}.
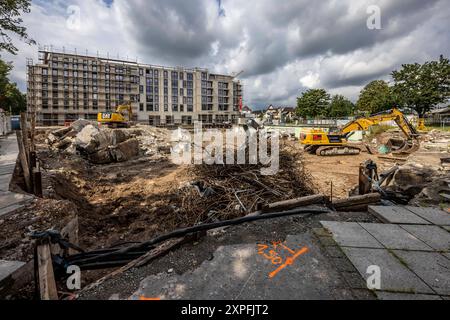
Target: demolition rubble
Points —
{"points": [[117, 202]]}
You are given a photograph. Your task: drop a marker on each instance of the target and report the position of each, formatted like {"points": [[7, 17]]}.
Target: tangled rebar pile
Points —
{"points": [[229, 191]]}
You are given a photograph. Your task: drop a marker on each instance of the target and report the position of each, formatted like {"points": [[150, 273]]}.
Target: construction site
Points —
{"points": [[94, 211]]}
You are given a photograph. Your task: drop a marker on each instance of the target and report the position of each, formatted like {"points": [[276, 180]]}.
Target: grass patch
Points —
{"points": [[376, 130], [445, 128]]}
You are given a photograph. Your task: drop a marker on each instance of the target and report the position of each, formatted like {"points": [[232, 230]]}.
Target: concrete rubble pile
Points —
{"points": [[421, 184], [102, 145], [438, 141]]}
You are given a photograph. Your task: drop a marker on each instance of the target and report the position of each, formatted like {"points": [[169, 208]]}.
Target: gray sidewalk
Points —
{"points": [[411, 250], [9, 201]]}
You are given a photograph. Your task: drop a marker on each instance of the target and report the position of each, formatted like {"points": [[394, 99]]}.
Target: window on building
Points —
{"points": [[44, 71], [149, 107], [141, 106], [190, 108], [166, 107], [190, 76], [175, 107]]}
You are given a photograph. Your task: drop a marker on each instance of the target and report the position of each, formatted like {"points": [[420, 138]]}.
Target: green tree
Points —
{"points": [[16, 101], [340, 106], [377, 96], [11, 23], [423, 86], [11, 99], [313, 103]]}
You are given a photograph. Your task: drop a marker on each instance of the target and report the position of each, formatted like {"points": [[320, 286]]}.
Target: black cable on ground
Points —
{"points": [[119, 254]]}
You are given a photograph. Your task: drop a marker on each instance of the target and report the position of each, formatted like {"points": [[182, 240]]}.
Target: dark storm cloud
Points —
{"points": [[284, 46]]}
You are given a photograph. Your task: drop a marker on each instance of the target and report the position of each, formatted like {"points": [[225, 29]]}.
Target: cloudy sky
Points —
{"points": [[283, 46]]}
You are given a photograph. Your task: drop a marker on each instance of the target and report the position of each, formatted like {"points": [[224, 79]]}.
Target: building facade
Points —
{"points": [[64, 87]]}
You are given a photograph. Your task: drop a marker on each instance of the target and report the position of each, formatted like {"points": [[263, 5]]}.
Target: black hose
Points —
{"points": [[182, 232]]}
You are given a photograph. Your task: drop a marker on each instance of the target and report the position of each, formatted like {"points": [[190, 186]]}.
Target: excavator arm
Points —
{"points": [[126, 107], [396, 115]]}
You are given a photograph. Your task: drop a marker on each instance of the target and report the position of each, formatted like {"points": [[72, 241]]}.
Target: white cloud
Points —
{"points": [[284, 47]]}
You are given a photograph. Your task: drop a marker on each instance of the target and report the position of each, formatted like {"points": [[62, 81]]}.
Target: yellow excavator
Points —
{"points": [[116, 119], [331, 144]]}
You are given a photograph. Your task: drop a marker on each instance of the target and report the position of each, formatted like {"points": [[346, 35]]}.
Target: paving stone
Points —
{"points": [[394, 275], [432, 267], [396, 214], [392, 236], [8, 267], [434, 236], [351, 234], [436, 216], [446, 228], [382, 295]]}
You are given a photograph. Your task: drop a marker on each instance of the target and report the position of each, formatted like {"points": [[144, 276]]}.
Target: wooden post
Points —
{"points": [[70, 232], [24, 129], [37, 183], [47, 284], [33, 130], [24, 162]]}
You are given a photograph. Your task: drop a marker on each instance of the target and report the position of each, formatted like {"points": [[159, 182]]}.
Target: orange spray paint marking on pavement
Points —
{"points": [[288, 262]]}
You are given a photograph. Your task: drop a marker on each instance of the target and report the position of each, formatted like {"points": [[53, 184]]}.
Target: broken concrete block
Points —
{"points": [[64, 143], [85, 139], [61, 132], [126, 150], [81, 123], [119, 136], [101, 157]]}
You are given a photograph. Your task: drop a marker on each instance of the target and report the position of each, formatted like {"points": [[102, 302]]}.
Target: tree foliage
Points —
{"points": [[11, 23], [313, 103], [11, 99], [340, 106], [375, 97], [423, 86]]}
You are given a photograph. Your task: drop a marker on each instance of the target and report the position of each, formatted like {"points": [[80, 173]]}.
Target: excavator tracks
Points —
{"points": [[337, 151]]}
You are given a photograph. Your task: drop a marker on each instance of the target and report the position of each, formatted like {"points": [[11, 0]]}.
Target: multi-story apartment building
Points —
{"points": [[64, 87]]}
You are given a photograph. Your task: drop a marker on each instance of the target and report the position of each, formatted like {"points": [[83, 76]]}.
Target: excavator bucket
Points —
{"points": [[400, 146]]}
